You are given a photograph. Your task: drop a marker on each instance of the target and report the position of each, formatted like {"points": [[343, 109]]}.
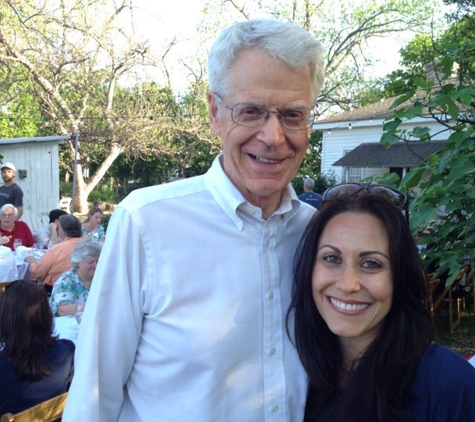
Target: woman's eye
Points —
{"points": [[371, 265], [331, 259]]}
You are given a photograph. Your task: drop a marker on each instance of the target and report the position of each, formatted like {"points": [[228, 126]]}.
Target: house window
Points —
{"points": [[351, 174], [354, 174]]}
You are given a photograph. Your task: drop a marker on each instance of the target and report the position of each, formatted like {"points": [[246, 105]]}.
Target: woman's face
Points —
{"points": [[351, 280], [96, 218], [87, 268]]}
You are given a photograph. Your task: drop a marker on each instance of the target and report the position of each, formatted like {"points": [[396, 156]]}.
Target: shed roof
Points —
{"points": [[402, 154], [58, 138]]}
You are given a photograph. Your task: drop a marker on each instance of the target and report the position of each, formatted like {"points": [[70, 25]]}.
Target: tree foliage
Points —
{"points": [[345, 30], [445, 184], [78, 60]]}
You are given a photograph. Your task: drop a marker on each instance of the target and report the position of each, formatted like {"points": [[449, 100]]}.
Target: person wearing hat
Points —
{"points": [[10, 192]]}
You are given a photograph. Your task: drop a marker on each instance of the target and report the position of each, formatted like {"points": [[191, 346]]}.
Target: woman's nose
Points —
{"points": [[349, 281]]}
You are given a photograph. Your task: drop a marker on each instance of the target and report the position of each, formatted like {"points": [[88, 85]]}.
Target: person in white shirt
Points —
{"points": [[47, 235], [186, 315]]}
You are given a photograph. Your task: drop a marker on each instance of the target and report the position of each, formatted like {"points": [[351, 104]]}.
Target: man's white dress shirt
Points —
{"points": [[185, 317]]}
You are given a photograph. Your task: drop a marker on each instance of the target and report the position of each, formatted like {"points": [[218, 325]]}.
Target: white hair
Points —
{"points": [[284, 41]]}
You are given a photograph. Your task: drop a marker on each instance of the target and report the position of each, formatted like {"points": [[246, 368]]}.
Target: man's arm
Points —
{"points": [[111, 327], [20, 211]]}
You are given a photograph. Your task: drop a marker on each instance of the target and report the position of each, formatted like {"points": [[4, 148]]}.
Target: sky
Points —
{"points": [[161, 20]]}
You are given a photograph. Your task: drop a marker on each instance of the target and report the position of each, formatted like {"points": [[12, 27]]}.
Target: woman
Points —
{"points": [[71, 289], [56, 260], [362, 327], [91, 228], [34, 364], [11, 229]]}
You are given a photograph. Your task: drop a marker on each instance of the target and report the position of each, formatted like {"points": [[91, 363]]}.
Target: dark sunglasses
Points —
{"points": [[346, 190]]}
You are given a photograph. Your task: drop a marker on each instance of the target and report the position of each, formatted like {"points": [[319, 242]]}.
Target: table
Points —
{"points": [[67, 327], [22, 266]]}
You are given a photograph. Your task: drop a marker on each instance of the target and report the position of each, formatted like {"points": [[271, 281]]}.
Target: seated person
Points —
{"points": [[73, 286], [11, 229], [34, 364], [47, 235], [91, 228], [56, 259]]}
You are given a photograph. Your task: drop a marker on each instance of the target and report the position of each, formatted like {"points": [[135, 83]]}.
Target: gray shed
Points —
{"points": [[37, 163]]}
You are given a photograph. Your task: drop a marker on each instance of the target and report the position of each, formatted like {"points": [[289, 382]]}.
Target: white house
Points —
{"points": [[37, 163], [351, 149]]}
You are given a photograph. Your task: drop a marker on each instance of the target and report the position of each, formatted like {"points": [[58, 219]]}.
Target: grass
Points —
{"points": [[463, 338]]}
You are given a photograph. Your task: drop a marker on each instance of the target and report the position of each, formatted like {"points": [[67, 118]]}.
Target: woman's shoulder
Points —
{"points": [[441, 362], [62, 347], [437, 354], [444, 386]]}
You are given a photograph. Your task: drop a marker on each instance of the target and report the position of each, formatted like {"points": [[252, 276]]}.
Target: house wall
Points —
{"points": [[337, 141], [41, 186]]}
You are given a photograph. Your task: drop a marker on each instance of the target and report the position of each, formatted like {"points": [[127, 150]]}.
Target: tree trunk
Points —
{"points": [[84, 188]]}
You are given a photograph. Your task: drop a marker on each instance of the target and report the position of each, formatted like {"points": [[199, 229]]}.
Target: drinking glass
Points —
{"points": [[79, 310], [16, 243]]}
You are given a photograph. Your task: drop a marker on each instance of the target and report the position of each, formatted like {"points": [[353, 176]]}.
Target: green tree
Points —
{"points": [[446, 181], [79, 61], [345, 29]]}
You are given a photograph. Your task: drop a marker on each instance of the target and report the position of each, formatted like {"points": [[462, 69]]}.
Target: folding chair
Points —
{"points": [[432, 282], [448, 297], [47, 411], [4, 284]]}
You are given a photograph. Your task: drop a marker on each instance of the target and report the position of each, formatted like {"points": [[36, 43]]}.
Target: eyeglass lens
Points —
{"points": [[254, 115]]}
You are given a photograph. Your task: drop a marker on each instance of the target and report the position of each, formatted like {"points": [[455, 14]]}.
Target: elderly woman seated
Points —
{"points": [[72, 288]]}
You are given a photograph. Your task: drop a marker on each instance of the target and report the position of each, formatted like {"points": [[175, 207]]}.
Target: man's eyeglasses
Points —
{"points": [[255, 115], [346, 190]]}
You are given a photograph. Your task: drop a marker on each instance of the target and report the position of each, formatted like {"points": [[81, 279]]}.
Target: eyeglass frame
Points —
{"points": [[278, 113], [367, 187]]}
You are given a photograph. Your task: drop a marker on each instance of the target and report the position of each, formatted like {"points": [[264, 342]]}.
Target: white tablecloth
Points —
{"points": [[67, 327], [472, 360]]}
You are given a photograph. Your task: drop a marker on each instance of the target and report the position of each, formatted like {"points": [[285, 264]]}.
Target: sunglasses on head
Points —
{"points": [[353, 189]]}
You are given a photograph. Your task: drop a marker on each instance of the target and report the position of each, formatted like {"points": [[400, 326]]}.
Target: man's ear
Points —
{"points": [[213, 111]]}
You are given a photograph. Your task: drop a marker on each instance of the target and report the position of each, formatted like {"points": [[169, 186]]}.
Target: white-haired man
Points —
{"points": [[186, 316]]}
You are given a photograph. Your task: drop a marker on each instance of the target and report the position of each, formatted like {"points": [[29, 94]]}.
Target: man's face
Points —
{"points": [[261, 161], [7, 174], [7, 218]]}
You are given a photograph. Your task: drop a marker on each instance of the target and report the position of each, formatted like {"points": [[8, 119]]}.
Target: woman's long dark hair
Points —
{"points": [[379, 387], [26, 326]]}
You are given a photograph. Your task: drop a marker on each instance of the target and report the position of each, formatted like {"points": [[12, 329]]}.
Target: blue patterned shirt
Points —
{"points": [[67, 290], [98, 234]]}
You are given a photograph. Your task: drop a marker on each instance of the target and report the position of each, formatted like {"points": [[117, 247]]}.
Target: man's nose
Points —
{"points": [[271, 131]]}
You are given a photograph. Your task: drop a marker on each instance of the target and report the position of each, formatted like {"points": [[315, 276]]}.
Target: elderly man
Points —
{"points": [[57, 258], [186, 316], [308, 195], [11, 229], [10, 192]]}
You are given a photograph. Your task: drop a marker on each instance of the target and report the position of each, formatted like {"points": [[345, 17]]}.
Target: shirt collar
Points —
{"points": [[231, 200]]}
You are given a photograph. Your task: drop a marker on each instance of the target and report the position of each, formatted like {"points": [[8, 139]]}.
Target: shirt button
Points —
{"points": [[272, 351], [271, 295], [275, 408]]}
